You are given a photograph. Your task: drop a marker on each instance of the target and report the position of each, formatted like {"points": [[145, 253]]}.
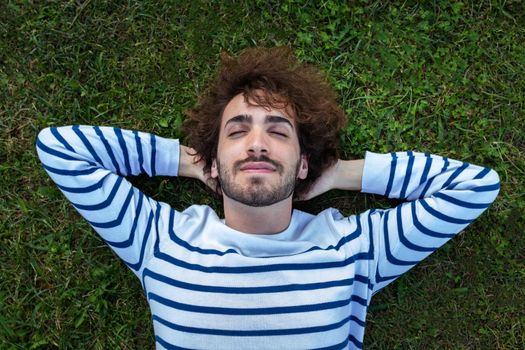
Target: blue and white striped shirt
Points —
{"points": [[209, 286]]}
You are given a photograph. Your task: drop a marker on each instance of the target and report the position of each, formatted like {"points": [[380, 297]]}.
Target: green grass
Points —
{"points": [[438, 76]]}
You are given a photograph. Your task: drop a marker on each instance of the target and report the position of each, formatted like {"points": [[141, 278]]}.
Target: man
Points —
{"points": [[265, 276]]}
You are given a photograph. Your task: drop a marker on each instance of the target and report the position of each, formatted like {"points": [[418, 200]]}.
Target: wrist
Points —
{"points": [[189, 164], [348, 175]]}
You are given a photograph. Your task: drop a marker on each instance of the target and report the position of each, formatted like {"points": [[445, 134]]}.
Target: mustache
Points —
{"points": [[262, 158]]}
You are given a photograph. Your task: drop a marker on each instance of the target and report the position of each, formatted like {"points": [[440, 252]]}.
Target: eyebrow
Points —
{"points": [[246, 118]]}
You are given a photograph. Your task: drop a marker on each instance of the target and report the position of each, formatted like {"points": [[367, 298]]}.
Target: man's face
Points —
{"points": [[258, 155]]}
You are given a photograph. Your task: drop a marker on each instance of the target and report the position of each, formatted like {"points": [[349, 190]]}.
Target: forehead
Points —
{"points": [[239, 105]]}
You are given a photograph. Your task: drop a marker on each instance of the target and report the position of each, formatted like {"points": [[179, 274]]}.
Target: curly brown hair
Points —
{"points": [[287, 83]]}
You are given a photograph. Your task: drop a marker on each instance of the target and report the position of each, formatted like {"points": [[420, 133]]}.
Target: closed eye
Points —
{"points": [[236, 133], [278, 133]]}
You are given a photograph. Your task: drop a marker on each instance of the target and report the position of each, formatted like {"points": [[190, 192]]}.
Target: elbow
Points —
{"points": [[43, 138], [493, 180], [493, 177]]}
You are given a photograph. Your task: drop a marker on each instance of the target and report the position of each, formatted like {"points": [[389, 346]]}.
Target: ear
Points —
{"points": [[303, 167], [214, 172]]}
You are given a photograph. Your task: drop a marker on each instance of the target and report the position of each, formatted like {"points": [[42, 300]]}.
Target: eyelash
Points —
{"points": [[234, 133], [281, 134]]}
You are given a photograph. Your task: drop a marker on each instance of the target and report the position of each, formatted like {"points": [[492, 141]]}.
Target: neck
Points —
{"points": [[258, 220]]}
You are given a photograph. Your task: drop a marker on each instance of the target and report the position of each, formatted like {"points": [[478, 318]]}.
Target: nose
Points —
{"points": [[257, 144]]}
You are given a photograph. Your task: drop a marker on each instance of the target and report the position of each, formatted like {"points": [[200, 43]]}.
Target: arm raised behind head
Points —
{"points": [[343, 175], [89, 165]]}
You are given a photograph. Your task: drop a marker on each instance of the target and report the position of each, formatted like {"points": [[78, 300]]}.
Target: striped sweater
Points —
{"points": [[308, 287]]}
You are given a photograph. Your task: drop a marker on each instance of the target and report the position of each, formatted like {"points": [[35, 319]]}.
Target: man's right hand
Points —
{"points": [[191, 166]]}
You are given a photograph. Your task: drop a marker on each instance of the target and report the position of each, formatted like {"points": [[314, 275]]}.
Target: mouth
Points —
{"points": [[257, 167]]}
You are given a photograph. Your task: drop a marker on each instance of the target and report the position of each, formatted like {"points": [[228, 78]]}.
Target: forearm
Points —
{"points": [[343, 175], [124, 152], [190, 164], [414, 175], [349, 175]]}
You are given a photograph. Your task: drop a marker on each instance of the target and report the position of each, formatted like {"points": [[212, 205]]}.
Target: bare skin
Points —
{"points": [[249, 132]]}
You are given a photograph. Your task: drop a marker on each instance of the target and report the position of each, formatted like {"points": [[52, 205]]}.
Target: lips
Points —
{"points": [[261, 167]]}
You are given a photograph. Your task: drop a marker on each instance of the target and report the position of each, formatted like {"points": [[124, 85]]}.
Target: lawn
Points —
{"points": [[435, 76]]}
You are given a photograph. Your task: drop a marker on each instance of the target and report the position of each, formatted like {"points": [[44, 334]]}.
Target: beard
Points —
{"points": [[258, 193]]}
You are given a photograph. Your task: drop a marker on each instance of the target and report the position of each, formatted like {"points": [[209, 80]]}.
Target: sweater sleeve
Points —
{"points": [[442, 196], [89, 165]]}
